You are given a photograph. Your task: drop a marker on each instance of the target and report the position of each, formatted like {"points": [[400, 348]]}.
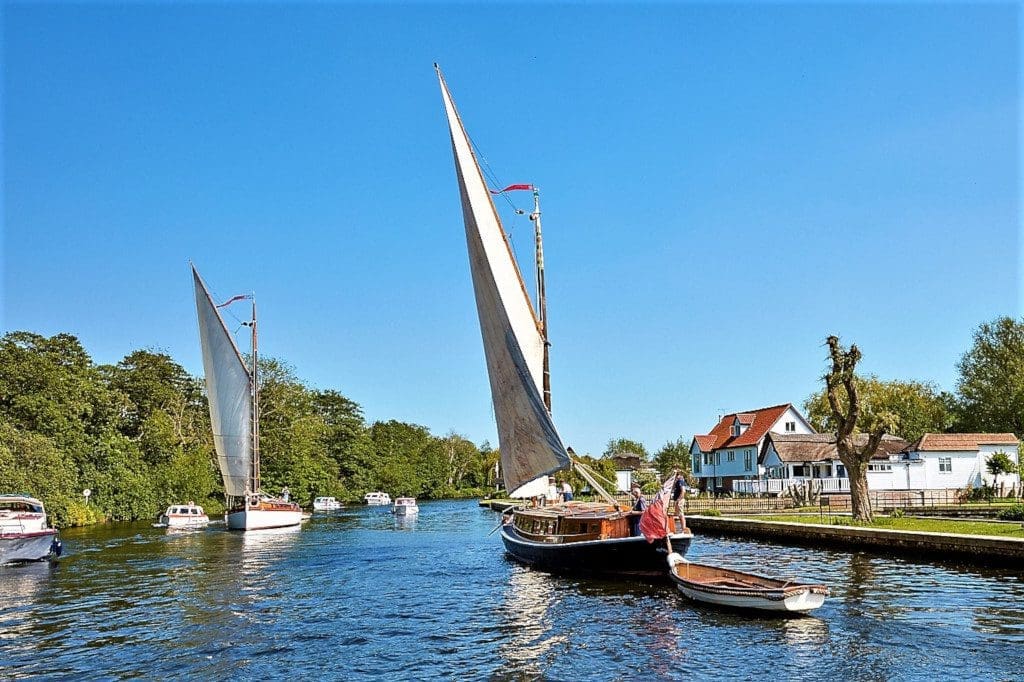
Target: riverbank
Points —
{"points": [[814, 532]]}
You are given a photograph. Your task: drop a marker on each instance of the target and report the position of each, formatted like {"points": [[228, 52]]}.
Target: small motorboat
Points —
{"points": [[377, 498], [728, 587], [406, 506], [23, 532], [189, 515], [325, 504]]}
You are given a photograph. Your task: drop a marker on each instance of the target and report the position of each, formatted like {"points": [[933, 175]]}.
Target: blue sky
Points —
{"points": [[723, 186]]}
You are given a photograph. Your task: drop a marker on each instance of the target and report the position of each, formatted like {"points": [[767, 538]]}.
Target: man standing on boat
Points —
{"points": [[566, 491], [639, 504]]}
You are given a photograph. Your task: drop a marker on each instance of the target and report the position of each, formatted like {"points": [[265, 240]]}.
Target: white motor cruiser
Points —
{"points": [[23, 532], [377, 498], [326, 504], [406, 506], [184, 516]]}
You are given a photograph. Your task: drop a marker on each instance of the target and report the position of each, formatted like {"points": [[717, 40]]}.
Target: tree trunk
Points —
{"points": [[860, 500]]}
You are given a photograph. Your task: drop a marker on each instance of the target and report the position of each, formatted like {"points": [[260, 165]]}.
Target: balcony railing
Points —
{"points": [[778, 485]]}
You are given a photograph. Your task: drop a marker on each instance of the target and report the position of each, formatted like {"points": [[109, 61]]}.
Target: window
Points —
{"points": [[735, 429], [840, 471], [879, 467], [790, 426], [945, 465], [696, 465], [718, 458], [748, 459], [801, 470], [731, 456]]}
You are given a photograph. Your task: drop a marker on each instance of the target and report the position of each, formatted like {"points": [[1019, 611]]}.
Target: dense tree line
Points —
{"points": [[137, 435]]}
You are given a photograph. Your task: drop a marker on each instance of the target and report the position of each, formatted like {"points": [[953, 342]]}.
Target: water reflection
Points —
{"points": [[529, 597], [804, 631]]}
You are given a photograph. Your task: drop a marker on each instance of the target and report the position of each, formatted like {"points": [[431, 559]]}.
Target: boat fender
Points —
{"points": [[675, 558], [56, 548], [255, 501]]}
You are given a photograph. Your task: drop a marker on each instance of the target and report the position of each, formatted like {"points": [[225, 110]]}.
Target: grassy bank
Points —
{"points": [[1012, 530]]}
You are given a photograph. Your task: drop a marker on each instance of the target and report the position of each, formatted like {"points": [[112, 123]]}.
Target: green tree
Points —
{"points": [[991, 383], [625, 446], [913, 408], [1000, 464], [674, 455]]}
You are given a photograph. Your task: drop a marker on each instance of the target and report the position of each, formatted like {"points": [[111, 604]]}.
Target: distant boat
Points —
{"points": [[571, 536], [406, 506], [737, 589], [326, 504], [184, 516], [24, 535], [233, 393], [377, 498]]}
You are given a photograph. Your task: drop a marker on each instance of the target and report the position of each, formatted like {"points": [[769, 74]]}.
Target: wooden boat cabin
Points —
{"points": [[576, 522]]}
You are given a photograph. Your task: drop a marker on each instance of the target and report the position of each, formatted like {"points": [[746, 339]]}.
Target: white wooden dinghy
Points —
{"points": [[728, 587]]}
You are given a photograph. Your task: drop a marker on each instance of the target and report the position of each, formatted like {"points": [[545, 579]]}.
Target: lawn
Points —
{"points": [[1013, 530]]}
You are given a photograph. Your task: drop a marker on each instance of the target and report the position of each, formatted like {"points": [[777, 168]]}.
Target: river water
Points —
{"points": [[357, 595]]}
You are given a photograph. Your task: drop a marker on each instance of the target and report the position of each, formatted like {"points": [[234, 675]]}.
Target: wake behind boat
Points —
{"points": [[233, 393], [515, 337], [737, 589]]}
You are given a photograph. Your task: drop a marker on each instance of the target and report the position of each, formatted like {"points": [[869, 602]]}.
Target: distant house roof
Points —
{"points": [[947, 442], [821, 447], [760, 422]]}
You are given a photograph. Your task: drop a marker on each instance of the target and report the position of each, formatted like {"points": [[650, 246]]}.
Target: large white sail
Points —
{"points": [[229, 391], [513, 344]]}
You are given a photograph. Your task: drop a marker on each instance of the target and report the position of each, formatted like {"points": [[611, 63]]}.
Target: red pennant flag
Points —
{"points": [[240, 297], [654, 520], [511, 188]]}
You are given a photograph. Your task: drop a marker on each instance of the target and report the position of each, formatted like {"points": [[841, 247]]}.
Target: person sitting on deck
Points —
{"points": [[639, 504]]}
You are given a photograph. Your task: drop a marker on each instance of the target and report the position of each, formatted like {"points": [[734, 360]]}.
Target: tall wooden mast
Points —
{"points": [[255, 404], [542, 304]]}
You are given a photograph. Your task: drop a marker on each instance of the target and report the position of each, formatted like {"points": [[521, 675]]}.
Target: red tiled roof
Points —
{"points": [[706, 443], [948, 442], [761, 421], [745, 418]]}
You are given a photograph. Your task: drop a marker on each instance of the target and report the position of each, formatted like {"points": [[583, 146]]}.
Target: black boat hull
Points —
{"points": [[630, 557]]}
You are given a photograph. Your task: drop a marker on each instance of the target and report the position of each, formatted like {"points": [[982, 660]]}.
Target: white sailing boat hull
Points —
{"points": [[256, 519]]}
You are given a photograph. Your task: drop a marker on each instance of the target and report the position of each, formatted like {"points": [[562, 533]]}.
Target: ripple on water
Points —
{"points": [[357, 595]]}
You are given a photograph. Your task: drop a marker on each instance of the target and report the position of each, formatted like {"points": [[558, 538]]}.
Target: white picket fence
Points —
{"points": [[777, 485]]}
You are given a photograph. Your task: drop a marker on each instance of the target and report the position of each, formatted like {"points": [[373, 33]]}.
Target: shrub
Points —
{"points": [[1013, 513], [712, 512], [896, 514]]}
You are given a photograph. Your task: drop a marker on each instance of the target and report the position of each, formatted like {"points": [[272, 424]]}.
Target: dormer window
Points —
{"points": [[738, 426]]}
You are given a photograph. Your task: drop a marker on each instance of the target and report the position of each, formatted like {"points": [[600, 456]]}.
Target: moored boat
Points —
{"points": [[738, 589], [24, 535], [516, 349], [326, 504], [232, 389], [406, 506], [377, 499], [184, 516]]}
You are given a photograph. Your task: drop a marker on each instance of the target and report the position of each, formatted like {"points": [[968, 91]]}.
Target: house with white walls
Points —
{"points": [[793, 459], [936, 461], [730, 451], [950, 460]]}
